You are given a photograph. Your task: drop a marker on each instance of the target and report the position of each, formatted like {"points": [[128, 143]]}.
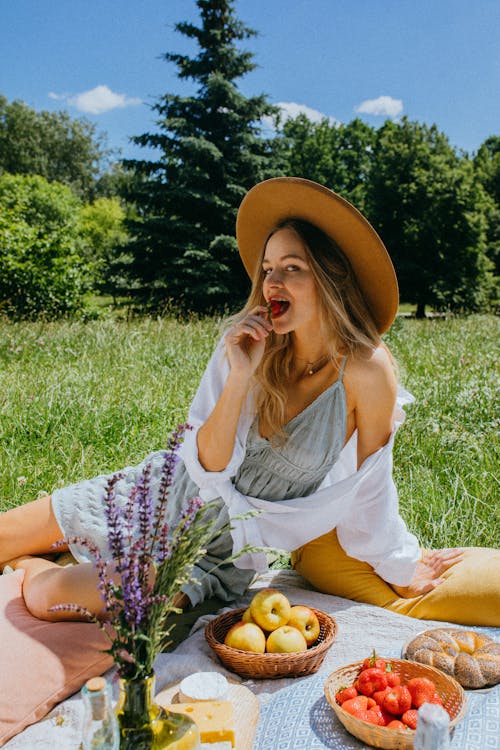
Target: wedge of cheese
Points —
{"points": [[214, 719]]}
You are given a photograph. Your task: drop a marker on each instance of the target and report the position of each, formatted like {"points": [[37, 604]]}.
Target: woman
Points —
{"points": [[295, 417]]}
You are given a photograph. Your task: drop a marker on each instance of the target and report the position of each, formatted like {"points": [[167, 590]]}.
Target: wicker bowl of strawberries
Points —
{"points": [[377, 700]]}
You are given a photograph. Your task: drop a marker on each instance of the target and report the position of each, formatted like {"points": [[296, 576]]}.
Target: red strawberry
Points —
{"points": [[374, 661], [371, 680], [379, 695], [273, 308], [422, 690], [397, 701], [345, 693], [379, 714], [393, 679], [396, 724], [410, 718], [354, 705]]}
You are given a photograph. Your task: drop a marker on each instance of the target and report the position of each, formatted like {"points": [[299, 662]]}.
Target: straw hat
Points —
{"points": [[273, 201]]}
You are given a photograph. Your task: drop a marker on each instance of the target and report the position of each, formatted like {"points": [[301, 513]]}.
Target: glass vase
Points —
{"points": [[144, 725]]}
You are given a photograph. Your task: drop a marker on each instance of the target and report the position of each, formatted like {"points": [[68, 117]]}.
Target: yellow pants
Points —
{"points": [[470, 595]]}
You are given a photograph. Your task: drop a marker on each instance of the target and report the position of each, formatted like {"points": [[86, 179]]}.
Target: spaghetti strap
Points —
{"points": [[342, 368]]}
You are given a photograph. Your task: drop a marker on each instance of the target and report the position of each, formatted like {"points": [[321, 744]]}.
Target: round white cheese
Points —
{"points": [[203, 686]]}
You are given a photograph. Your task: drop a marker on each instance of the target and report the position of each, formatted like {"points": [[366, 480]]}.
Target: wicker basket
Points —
{"points": [[451, 692], [269, 666]]}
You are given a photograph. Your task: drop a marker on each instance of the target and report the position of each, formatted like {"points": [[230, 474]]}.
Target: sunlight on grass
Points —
{"points": [[79, 399]]}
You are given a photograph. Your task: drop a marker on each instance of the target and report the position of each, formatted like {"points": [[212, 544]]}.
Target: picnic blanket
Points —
{"points": [[294, 714]]}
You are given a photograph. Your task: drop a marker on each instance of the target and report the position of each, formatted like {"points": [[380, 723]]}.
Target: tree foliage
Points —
{"points": [[333, 154], [487, 170], [428, 207], [210, 154], [50, 144], [42, 272], [101, 226]]}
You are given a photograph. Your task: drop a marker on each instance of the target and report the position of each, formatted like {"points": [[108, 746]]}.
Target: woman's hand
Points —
{"points": [[429, 571], [245, 341]]}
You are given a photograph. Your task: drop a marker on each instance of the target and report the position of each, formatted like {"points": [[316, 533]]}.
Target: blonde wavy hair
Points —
{"points": [[345, 319]]}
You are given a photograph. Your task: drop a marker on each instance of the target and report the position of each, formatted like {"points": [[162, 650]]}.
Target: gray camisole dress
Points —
{"points": [[292, 468]]}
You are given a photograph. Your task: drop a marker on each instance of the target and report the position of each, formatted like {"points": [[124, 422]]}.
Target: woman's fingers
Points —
{"points": [[254, 326], [442, 559]]}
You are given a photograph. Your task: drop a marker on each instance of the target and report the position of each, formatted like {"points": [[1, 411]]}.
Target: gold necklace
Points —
{"points": [[313, 367]]}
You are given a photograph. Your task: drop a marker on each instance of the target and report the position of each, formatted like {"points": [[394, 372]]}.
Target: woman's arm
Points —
{"points": [[371, 390], [375, 393], [245, 343]]}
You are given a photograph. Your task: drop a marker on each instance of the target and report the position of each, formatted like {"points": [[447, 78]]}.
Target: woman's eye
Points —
{"points": [[292, 268], [266, 271]]}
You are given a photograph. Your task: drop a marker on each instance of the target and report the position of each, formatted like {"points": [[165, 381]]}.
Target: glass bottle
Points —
{"points": [[433, 728], [100, 726], [144, 725]]}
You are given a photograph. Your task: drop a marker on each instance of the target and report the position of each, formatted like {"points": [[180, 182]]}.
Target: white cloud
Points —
{"points": [[383, 105], [97, 100], [290, 110]]}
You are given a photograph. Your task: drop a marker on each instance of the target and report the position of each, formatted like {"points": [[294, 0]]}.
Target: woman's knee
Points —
{"points": [[29, 529]]}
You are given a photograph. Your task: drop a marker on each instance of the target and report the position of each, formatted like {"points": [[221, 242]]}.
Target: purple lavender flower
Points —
{"points": [[139, 584]]}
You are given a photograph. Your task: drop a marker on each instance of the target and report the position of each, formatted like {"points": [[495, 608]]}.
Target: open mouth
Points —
{"points": [[277, 307]]}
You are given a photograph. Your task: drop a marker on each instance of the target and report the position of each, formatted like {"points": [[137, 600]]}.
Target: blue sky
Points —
{"points": [[436, 61]]}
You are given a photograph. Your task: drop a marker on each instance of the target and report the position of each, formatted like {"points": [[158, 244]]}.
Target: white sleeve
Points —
{"points": [[204, 402], [372, 529]]}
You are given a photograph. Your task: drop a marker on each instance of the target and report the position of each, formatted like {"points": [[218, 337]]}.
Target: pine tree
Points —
{"points": [[212, 152]]}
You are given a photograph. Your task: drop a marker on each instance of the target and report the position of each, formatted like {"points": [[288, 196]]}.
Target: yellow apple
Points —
{"points": [[285, 640], [247, 636], [270, 609], [247, 616], [305, 620]]}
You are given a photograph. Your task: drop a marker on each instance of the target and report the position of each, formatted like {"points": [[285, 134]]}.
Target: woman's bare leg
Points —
{"points": [[30, 529], [47, 584]]}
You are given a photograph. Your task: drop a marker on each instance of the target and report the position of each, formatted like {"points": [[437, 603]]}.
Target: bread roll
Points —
{"points": [[471, 658]]}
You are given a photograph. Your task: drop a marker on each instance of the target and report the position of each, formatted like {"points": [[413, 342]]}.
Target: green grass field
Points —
{"points": [[79, 399]]}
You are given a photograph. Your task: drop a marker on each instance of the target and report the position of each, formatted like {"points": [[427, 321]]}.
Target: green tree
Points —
{"points": [[101, 226], [428, 207], [332, 154], [487, 169], [211, 153], [42, 272], [50, 144]]}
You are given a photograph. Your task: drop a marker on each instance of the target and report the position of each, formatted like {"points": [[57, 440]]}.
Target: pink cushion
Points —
{"points": [[41, 662]]}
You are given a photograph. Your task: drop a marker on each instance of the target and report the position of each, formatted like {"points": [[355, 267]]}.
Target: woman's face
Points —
{"points": [[289, 281]]}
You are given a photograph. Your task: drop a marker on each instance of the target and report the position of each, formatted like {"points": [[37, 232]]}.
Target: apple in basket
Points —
{"points": [[270, 609], [285, 640], [247, 636], [305, 620], [247, 616]]}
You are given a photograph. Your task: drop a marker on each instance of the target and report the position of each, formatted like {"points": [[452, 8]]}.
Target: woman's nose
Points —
{"points": [[274, 277]]}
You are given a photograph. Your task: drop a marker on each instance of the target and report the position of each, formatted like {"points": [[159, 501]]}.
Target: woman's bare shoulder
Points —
{"points": [[371, 372]]}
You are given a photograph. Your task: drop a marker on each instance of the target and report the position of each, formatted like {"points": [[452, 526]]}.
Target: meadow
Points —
{"points": [[80, 399]]}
